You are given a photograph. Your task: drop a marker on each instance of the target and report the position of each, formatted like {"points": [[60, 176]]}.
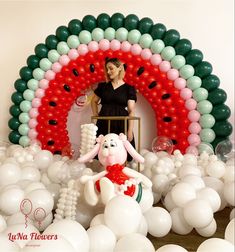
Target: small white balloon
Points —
{"points": [[229, 175], [209, 230], [33, 186], [9, 174], [171, 248], [30, 173], [216, 245], [43, 159], [97, 220], [189, 170], [229, 232], [216, 169]]}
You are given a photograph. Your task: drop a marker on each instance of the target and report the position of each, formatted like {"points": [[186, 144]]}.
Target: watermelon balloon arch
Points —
{"points": [[174, 79]]}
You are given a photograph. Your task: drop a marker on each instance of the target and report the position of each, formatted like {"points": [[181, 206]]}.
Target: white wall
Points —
{"points": [[208, 24]]}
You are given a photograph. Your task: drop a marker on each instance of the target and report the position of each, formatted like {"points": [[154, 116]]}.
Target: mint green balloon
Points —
{"points": [[157, 46], [194, 82], [145, 41], [207, 121], [207, 135], [97, 34], [25, 106], [62, 48], [205, 147], [204, 107], [168, 53], [33, 84], [109, 33], [122, 34], [45, 64], [53, 56], [73, 41], [84, 37], [23, 129], [186, 71], [24, 141], [178, 61], [28, 95], [134, 36], [200, 94], [24, 117], [38, 74]]}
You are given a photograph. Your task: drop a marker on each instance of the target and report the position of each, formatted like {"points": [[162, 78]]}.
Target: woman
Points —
{"points": [[117, 98]]}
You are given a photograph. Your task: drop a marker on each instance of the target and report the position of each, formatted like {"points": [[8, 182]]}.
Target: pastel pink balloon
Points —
{"points": [[146, 54], [64, 60], [165, 66], [32, 123], [115, 45], [192, 150], [136, 49], [82, 49], [56, 67], [125, 46], [180, 83], [36, 102], [156, 59], [172, 74], [33, 113], [194, 116], [190, 104], [194, 139], [40, 93], [73, 54], [186, 93], [104, 44], [49, 75], [32, 134], [43, 83], [93, 46], [194, 128]]}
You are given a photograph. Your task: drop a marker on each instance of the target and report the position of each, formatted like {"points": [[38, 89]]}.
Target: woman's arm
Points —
{"points": [[131, 111], [94, 104]]}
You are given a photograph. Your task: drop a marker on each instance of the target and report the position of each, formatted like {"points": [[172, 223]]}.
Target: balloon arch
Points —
{"points": [[174, 79]]}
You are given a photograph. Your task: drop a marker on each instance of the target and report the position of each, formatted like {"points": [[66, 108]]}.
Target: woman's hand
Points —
{"points": [[130, 136]]}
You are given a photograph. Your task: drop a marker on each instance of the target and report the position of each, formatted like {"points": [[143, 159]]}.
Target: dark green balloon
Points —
{"points": [[103, 21], [203, 69], [41, 50], [89, 23], [211, 82], [75, 26], [33, 61], [223, 128], [145, 25], [62, 33], [217, 141], [26, 73], [131, 22], [217, 96], [14, 123], [183, 46], [14, 137], [194, 57], [158, 31], [117, 20], [15, 110], [17, 98], [221, 112], [171, 37], [20, 85], [51, 41]]}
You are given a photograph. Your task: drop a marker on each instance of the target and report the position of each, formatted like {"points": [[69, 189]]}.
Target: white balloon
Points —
{"points": [[159, 221], [216, 245], [54, 190], [209, 230], [150, 159], [134, 243], [42, 225], [101, 238], [57, 171], [143, 227], [43, 159], [189, 170], [97, 220], [190, 159], [232, 214], [229, 232], [18, 218], [23, 183], [9, 174], [195, 181], [171, 248], [33, 186], [3, 223], [146, 201], [229, 193], [229, 173], [122, 215], [216, 169], [160, 183], [30, 173], [7, 245], [168, 202], [45, 180], [84, 214]]}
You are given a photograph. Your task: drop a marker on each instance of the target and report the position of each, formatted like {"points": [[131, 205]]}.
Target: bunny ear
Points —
{"points": [[90, 155], [131, 150], [99, 138]]}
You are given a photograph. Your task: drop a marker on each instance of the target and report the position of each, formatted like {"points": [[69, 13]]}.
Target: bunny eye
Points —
{"points": [[113, 144], [105, 146]]}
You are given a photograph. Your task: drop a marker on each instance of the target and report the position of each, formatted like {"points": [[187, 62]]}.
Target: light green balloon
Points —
{"points": [[25, 106], [205, 147], [24, 117], [45, 64], [97, 34], [178, 61], [194, 82], [62, 48], [24, 141], [168, 53], [207, 121], [73, 41], [23, 129], [38, 74], [186, 71], [122, 34], [32, 84], [200, 94], [53, 56], [204, 107], [28, 95], [157, 46], [109, 33], [145, 41], [84, 37], [207, 135], [134, 36]]}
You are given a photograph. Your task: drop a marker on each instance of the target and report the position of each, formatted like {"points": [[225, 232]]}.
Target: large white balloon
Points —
{"points": [[122, 215], [134, 243], [3, 223], [33, 186], [30, 173], [97, 220], [216, 169], [143, 227], [160, 183], [9, 174], [18, 218], [216, 245], [229, 175], [168, 202], [101, 238], [146, 201], [43, 159], [7, 245], [171, 248], [209, 230], [229, 193], [229, 232], [196, 181]]}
